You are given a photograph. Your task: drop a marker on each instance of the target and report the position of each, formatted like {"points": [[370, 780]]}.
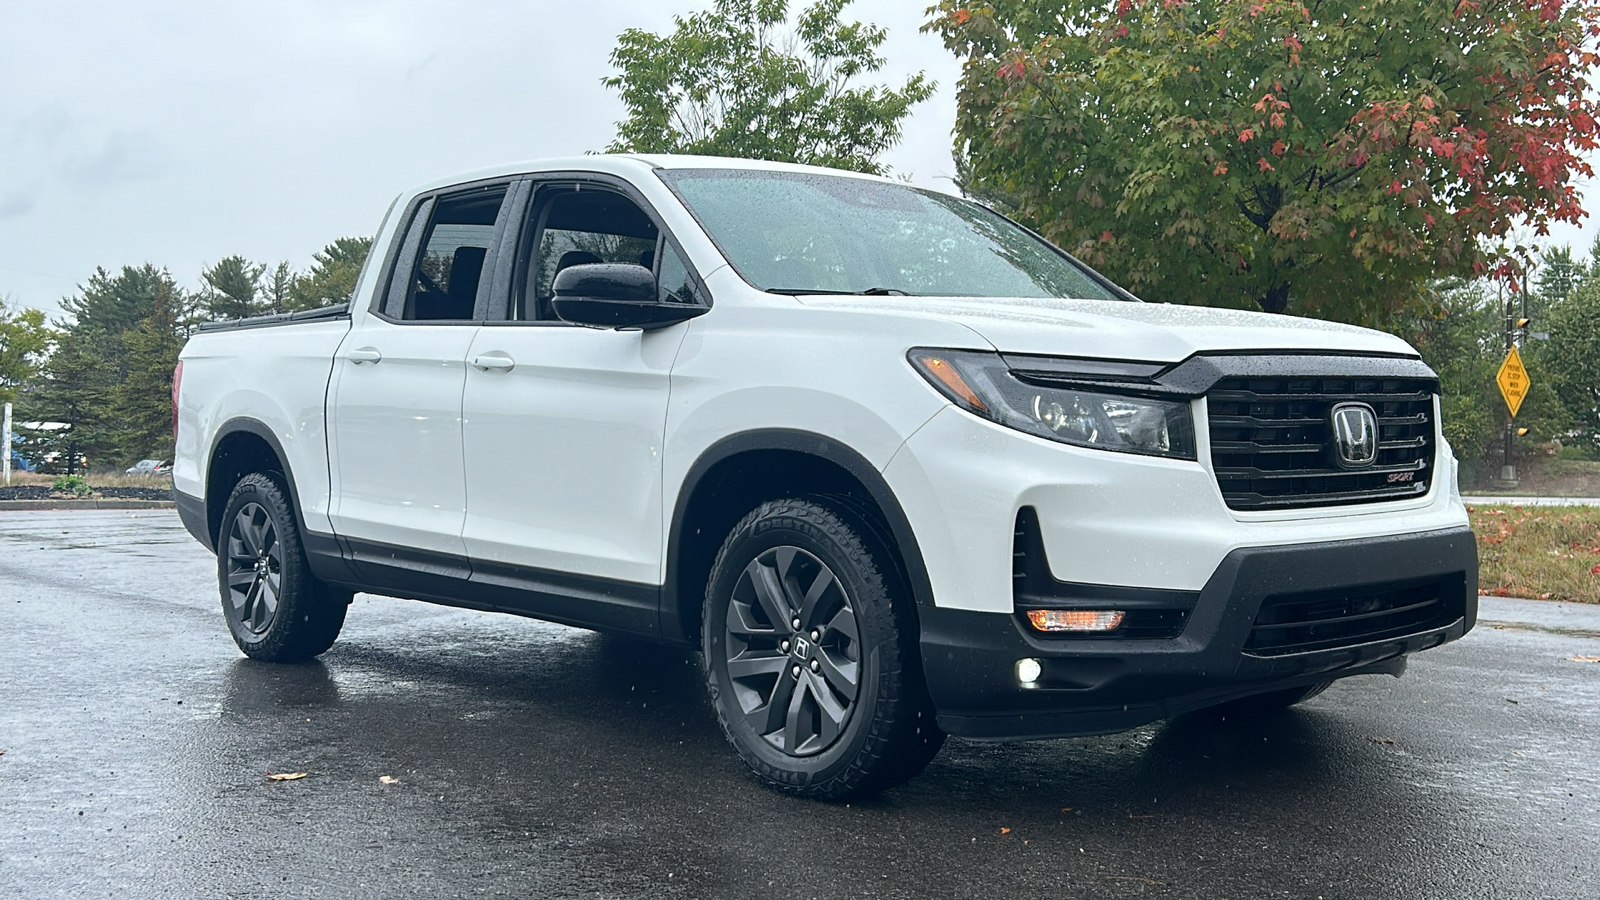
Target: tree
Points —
{"points": [[112, 304], [1327, 157], [737, 80], [232, 288], [1572, 358], [143, 396], [333, 274], [1559, 273], [79, 382], [24, 341], [277, 292], [92, 381]]}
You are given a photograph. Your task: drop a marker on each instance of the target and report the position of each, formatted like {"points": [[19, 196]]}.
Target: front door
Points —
{"points": [[564, 424]]}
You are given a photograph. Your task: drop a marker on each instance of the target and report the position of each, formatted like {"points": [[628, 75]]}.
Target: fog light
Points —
{"points": [[1029, 670], [1075, 619]]}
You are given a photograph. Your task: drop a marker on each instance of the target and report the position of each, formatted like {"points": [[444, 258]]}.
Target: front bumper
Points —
{"points": [[1100, 686]]}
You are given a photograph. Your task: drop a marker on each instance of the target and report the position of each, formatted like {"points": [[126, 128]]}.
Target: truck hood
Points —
{"points": [[1110, 329]]}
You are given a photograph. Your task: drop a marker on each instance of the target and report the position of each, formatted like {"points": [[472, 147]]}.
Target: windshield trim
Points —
{"points": [[668, 177]]}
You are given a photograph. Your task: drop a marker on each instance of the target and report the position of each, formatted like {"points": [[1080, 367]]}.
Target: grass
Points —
{"points": [[1546, 552], [96, 481]]}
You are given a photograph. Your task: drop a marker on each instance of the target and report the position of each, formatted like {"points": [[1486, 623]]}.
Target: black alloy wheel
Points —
{"points": [[275, 607], [794, 650], [254, 569], [809, 645]]}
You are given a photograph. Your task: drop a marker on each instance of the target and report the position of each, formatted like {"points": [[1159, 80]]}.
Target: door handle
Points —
{"points": [[364, 355], [496, 361]]}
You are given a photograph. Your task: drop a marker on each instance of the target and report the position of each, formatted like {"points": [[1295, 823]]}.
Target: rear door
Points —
{"points": [[395, 404], [564, 423]]}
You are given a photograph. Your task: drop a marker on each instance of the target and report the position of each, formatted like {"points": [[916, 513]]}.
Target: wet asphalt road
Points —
{"points": [[539, 761]]}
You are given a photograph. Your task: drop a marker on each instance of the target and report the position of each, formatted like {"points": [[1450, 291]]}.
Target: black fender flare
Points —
{"points": [[793, 441]]}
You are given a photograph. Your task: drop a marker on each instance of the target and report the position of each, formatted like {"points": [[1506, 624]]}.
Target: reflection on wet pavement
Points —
{"points": [[533, 760]]}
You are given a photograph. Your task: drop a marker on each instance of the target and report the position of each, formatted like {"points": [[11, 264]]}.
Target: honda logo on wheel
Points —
{"points": [[1355, 434]]}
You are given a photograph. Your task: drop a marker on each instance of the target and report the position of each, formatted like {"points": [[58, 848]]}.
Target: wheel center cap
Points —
{"points": [[802, 648]]}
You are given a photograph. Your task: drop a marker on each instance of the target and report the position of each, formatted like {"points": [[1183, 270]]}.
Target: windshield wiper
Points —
{"points": [[869, 292]]}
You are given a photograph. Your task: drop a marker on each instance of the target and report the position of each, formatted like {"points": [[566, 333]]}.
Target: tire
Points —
{"points": [[1260, 706], [835, 708], [276, 609]]}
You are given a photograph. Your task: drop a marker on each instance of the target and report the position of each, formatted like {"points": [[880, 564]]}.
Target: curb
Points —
{"points": [[85, 504]]}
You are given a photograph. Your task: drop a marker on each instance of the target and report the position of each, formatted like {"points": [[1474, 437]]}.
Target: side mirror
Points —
{"points": [[615, 295]]}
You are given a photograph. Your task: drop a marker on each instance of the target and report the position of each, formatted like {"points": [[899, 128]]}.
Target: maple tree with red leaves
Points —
{"points": [[1325, 158]]}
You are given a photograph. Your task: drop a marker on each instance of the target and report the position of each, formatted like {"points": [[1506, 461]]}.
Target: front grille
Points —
{"points": [[1299, 623], [1272, 443]]}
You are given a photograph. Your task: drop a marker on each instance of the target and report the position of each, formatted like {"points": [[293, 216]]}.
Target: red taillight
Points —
{"points": [[177, 379]]}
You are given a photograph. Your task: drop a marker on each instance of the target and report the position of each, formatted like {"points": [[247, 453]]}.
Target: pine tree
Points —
{"points": [[277, 292], [232, 289], [143, 397], [333, 274]]}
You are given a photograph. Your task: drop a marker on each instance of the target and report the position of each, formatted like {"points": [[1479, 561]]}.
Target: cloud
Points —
{"points": [[16, 203], [121, 157]]}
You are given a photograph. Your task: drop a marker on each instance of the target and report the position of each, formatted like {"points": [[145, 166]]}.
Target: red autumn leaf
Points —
{"points": [[1264, 165], [1246, 135], [1279, 147]]}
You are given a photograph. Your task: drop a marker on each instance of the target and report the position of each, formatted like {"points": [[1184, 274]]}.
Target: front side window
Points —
{"points": [[805, 233], [579, 227]]}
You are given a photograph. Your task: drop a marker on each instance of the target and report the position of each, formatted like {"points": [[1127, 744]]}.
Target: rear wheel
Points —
{"points": [[276, 609], [810, 656]]}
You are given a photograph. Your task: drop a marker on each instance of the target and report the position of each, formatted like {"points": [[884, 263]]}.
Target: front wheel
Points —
{"points": [[811, 657], [276, 609]]}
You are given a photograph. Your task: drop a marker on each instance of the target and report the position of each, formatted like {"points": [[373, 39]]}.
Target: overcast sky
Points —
{"points": [[180, 132]]}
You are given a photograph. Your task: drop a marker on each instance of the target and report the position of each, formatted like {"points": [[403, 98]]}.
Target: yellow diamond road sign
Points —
{"points": [[1513, 381]]}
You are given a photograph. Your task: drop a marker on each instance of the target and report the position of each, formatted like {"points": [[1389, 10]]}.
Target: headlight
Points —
{"points": [[982, 384]]}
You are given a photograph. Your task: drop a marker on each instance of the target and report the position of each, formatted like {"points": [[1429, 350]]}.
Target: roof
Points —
{"points": [[634, 164]]}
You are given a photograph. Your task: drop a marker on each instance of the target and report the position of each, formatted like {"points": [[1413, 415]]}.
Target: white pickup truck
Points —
{"points": [[897, 467]]}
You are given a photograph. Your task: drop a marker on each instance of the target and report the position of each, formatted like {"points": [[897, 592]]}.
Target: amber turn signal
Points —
{"points": [[1079, 620]]}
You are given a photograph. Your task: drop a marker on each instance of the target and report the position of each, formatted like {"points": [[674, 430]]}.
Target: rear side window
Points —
{"points": [[442, 266]]}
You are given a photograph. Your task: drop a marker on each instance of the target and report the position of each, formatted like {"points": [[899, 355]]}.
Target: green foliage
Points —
{"points": [[232, 289], [24, 341], [277, 291], [143, 396], [1460, 333], [1455, 336], [333, 274], [1572, 358], [71, 484], [112, 304], [1329, 162], [109, 376], [737, 80], [1558, 275]]}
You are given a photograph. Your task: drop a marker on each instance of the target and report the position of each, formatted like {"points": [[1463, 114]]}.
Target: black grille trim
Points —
{"points": [[1326, 620], [1272, 444]]}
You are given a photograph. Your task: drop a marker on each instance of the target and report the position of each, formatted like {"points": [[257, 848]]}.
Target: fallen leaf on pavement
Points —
{"points": [[388, 779], [1005, 831], [1379, 740], [286, 776], [1586, 659]]}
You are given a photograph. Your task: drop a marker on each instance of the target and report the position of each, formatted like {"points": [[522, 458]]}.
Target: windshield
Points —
{"points": [[802, 233]]}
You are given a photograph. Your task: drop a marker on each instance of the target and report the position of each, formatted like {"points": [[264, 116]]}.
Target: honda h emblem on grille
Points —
{"points": [[1355, 434]]}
